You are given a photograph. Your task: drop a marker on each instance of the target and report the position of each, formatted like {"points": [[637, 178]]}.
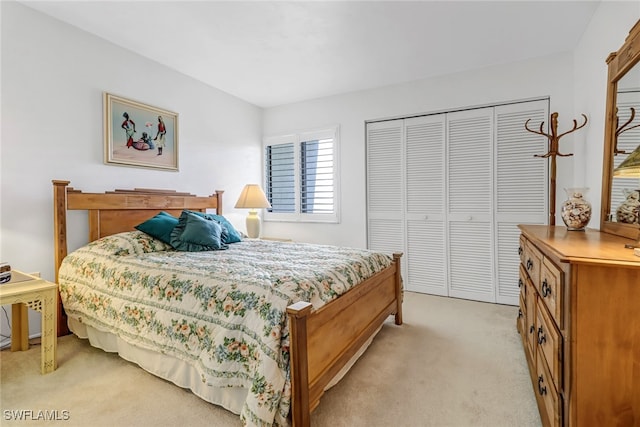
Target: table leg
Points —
{"points": [[19, 327], [49, 331]]}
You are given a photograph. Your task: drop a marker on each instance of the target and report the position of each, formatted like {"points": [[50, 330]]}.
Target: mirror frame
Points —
{"points": [[619, 63]]}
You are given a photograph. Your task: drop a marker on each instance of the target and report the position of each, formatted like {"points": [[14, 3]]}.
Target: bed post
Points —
{"points": [[60, 241], [299, 368], [218, 195], [399, 295]]}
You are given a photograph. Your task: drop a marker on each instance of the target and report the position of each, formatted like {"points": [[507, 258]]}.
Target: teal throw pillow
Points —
{"points": [[160, 226], [232, 235], [195, 233]]}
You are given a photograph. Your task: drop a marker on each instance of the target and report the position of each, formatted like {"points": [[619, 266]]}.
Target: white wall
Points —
{"points": [[53, 77], [574, 81], [548, 76], [607, 31]]}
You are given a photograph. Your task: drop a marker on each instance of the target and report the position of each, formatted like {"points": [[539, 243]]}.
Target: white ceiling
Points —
{"points": [[271, 53]]}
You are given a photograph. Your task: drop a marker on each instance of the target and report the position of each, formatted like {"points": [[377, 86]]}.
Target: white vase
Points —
{"points": [[576, 211]]}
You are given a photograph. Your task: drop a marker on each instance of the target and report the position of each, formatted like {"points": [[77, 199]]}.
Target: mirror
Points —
{"points": [[620, 194]]}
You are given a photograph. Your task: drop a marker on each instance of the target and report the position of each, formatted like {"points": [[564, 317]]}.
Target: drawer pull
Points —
{"points": [[519, 250], [529, 264], [541, 337], [519, 313], [532, 329], [519, 283], [546, 289], [541, 390]]}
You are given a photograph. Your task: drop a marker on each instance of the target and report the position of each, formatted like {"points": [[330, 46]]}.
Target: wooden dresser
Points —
{"points": [[579, 318]]}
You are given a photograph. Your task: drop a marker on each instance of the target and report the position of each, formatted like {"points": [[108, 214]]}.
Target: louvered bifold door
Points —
{"points": [[425, 204], [521, 186], [469, 191], [385, 183]]}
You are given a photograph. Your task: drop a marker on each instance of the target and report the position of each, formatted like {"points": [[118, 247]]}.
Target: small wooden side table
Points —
{"points": [[25, 291]]}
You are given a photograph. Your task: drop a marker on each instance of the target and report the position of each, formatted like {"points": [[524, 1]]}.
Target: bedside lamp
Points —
{"points": [[630, 168], [252, 197]]}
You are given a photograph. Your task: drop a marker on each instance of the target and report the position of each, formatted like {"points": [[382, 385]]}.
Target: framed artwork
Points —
{"points": [[139, 135]]}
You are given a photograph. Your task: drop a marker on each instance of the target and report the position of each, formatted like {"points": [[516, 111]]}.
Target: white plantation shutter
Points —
{"points": [[425, 204], [301, 176], [470, 173], [280, 177], [385, 187], [521, 186], [317, 176]]}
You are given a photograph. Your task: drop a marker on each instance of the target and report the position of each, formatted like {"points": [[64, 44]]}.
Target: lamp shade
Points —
{"points": [[252, 197], [630, 167]]}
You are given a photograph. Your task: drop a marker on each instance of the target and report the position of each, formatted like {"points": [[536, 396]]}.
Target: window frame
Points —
{"points": [[297, 138]]}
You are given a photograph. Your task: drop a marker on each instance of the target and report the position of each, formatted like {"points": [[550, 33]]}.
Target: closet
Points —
{"points": [[449, 189]]}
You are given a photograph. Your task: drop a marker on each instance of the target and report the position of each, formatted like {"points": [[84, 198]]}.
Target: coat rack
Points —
{"points": [[554, 151]]}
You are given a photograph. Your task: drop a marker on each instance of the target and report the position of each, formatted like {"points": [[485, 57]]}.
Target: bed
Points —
{"points": [[310, 335]]}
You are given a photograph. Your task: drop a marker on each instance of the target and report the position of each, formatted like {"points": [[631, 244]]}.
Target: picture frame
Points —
{"points": [[139, 135]]}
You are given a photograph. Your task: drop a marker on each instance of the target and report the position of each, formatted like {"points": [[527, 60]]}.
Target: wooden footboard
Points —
{"points": [[324, 341]]}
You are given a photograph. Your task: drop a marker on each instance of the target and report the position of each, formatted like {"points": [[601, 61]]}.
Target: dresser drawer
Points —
{"points": [[549, 342], [523, 244], [530, 319], [547, 393], [551, 289], [532, 262], [522, 316], [522, 279]]}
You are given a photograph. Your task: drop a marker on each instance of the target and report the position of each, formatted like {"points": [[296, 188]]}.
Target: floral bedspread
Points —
{"points": [[224, 312]]}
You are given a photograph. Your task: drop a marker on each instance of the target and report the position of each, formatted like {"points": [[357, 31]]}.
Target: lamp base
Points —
{"points": [[253, 224]]}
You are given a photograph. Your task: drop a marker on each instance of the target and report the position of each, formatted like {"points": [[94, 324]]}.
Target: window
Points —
{"points": [[301, 176]]}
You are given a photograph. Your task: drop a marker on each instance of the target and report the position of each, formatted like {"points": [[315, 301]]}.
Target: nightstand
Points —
{"points": [[25, 291]]}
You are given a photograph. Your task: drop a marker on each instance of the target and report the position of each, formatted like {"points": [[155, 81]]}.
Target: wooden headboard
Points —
{"points": [[116, 211]]}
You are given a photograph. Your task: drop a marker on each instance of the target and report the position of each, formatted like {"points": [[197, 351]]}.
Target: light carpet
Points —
{"points": [[452, 363]]}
